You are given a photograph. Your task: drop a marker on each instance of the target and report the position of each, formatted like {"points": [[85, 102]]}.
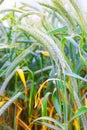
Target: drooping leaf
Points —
{"points": [[80, 111], [22, 77], [49, 119]]}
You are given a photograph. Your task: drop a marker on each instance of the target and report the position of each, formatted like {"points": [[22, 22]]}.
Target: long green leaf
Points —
{"points": [[59, 31], [75, 76], [80, 111]]}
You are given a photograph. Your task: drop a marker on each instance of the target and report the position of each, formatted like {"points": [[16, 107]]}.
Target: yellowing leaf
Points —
{"points": [[21, 74], [45, 53], [42, 86], [2, 103], [76, 124], [85, 102]]}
